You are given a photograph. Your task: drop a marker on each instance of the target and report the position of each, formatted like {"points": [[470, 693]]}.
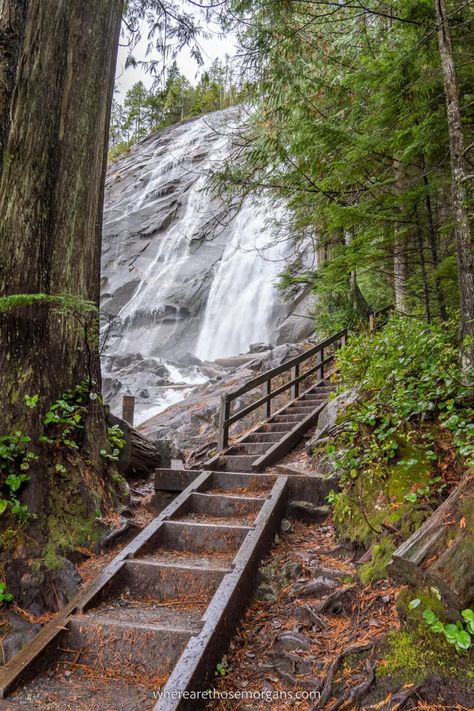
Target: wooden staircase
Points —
{"points": [[160, 616], [277, 435]]}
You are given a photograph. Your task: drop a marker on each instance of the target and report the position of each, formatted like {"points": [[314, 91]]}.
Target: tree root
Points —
{"points": [[334, 668], [335, 602], [354, 696], [397, 701]]}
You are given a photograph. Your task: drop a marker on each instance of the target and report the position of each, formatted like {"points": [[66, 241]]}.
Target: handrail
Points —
{"points": [[226, 419], [273, 372]]}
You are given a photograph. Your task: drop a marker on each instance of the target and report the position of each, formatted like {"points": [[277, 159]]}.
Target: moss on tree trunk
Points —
{"points": [[51, 201]]}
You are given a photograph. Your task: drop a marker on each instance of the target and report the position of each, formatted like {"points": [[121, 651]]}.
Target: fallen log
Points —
{"points": [[441, 553], [140, 456]]}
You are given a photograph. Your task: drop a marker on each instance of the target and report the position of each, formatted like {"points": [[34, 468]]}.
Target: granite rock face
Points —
{"points": [[192, 423], [182, 284]]}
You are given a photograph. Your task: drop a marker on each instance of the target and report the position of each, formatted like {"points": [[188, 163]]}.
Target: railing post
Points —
{"points": [[320, 373], [128, 409], [223, 432], [267, 389], [344, 337], [295, 388]]}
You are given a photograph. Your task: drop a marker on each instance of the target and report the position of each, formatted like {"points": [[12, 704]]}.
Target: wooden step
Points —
{"points": [[262, 437], [298, 410], [287, 418], [249, 448], [218, 506], [224, 482], [271, 426], [116, 637], [235, 463]]}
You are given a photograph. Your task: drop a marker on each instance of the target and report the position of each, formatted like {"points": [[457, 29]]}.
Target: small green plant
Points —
{"points": [[117, 443], [458, 634], [4, 595], [31, 401], [64, 419], [434, 488], [221, 669], [15, 461]]}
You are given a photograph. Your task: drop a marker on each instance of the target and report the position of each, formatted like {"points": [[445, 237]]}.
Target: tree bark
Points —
{"points": [[357, 300], [12, 28], [51, 198], [424, 275], [459, 185], [433, 244], [441, 552], [400, 251]]}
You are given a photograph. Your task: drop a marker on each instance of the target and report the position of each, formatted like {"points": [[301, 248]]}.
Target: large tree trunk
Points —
{"points": [[12, 29], [441, 552], [51, 197], [464, 253]]}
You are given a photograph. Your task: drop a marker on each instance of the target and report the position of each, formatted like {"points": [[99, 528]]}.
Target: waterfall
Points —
{"points": [[199, 284], [158, 281], [183, 280], [242, 300]]}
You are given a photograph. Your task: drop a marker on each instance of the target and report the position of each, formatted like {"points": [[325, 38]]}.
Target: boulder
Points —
{"points": [[290, 641], [20, 632], [299, 323], [259, 347], [308, 512], [329, 416]]}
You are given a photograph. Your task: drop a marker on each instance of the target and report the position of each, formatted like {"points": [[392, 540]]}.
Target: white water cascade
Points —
{"points": [[159, 279], [183, 280], [242, 300]]}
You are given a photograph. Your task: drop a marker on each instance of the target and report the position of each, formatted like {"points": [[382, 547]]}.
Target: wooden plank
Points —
{"points": [[223, 431], [295, 371], [267, 389], [128, 409]]}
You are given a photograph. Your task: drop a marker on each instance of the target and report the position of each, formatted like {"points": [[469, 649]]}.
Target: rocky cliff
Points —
{"points": [[181, 283]]}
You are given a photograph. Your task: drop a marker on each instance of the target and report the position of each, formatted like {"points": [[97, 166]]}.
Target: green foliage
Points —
{"points": [[458, 634], [411, 395], [117, 443], [222, 668], [411, 656], [4, 595], [64, 419], [409, 374], [16, 459], [63, 302], [349, 128], [119, 149], [145, 111]]}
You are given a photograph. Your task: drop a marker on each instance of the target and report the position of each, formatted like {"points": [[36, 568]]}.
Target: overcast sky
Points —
{"points": [[216, 46]]}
